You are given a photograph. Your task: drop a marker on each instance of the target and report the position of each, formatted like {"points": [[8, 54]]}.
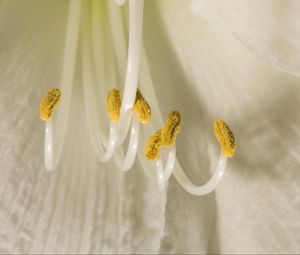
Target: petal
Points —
{"points": [[201, 70], [270, 29]]}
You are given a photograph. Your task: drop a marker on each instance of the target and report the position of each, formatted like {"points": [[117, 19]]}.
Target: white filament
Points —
{"points": [[133, 62], [48, 149], [126, 163], [160, 175], [111, 145], [129, 91], [71, 42], [103, 153], [206, 188], [164, 174]]}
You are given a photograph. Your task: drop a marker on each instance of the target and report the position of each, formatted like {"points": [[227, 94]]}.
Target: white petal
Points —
{"points": [[270, 28], [202, 70], [86, 207]]}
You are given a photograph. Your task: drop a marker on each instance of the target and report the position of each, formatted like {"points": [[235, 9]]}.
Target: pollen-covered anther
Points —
{"points": [[152, 148], [49, 103], [141, 108], [113, 104], [171, 128], [225, 138]]}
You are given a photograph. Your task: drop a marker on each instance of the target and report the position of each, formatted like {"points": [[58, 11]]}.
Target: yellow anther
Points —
{"points": [[171, 129], [49, 103], [113, 104], [152, 148], [141, 108], [225, 138]]}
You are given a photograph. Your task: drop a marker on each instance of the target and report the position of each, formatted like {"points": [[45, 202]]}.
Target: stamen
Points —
{"points": [[141, 108], [134, 48], [225, 138], [152, 148], [49, 103], [133, 60], [113, 104], [171, 129]]}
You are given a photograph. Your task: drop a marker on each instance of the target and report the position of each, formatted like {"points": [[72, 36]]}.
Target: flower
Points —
{"points": [[235, 60]]}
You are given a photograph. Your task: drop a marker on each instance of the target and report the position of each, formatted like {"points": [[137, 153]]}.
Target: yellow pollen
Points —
{"points": [[225, 138], [141, 108], [113, 104], [171, 129], [49, 103], [152, 148]]}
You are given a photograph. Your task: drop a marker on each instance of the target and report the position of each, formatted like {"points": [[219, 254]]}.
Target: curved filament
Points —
{"points": [[125, 163], [206, 188], [164, 174]]}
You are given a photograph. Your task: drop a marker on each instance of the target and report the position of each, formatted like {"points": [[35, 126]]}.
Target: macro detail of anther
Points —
{"points": [[225, 138], [142, 108], [49, 103], [171, 128], [113, 104], [152, 148]]}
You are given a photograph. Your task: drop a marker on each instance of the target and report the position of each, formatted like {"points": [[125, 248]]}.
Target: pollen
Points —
{"points": [[113, 104], [141, 108], [49, 103], [152, 148], [171, 128], [225, 138]]}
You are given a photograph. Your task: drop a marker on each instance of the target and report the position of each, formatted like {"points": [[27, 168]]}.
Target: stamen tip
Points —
{"points": [[225, 138], [49, 103], [113, 104], [171, 128], [152, 148], [142, 108]]}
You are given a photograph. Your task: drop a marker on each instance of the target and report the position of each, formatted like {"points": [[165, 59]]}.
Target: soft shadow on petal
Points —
{"points": [[202, 70], [32, 35], [270, 28]]}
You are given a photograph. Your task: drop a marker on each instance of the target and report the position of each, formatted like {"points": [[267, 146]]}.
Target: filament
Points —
{"points": [[164, 174], [48, 146], [68, 69], [133, 61], [71, 43], [103, 153], [206, 188], [125, 163]]}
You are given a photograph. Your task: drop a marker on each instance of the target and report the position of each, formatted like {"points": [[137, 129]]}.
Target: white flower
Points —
{"points": [[236, 60]]}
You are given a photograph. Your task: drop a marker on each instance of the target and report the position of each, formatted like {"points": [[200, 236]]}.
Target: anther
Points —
{"points": [[113, 104], [225, 138], [49, 103], [152, 148], [141, 108], [171, 129]]}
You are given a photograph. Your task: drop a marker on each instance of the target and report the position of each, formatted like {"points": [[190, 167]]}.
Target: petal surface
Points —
{"points": [[270, 29]]}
